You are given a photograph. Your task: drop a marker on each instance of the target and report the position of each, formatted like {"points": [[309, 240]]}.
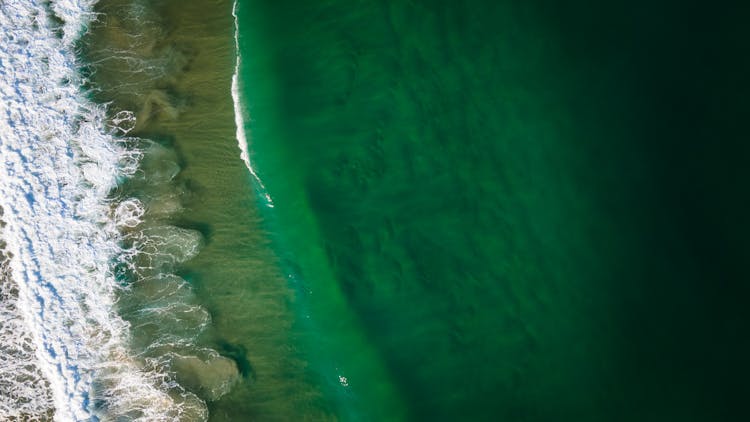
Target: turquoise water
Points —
{"points": [[509, 206]]}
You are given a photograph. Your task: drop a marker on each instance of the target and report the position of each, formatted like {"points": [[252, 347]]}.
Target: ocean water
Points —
{"points": [[528, 208], [373, 210]]}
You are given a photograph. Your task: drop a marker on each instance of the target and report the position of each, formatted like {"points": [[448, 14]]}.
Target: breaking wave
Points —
{"points": [[87, 286], [239, 119]]}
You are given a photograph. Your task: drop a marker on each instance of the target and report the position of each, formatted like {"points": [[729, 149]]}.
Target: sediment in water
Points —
{"points": [[166, 319], [203, 294], [60, 165]]}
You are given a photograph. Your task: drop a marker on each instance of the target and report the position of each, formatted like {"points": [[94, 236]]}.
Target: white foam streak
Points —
{"points": [[239, 119], [57, 167]]}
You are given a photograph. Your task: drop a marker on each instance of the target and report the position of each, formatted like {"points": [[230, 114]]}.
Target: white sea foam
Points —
{"points": [[58, 164], [239, 119], [24, 392]]}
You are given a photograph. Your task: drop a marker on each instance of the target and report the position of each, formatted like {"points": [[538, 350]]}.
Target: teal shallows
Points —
{"points": [[352, 375], [487, 185]]}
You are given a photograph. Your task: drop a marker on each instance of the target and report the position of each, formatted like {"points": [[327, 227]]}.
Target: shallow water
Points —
{"points": [[174, 74], [25, 393], [60, 163]]}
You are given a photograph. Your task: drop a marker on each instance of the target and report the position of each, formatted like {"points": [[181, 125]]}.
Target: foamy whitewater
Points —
{"points": [[58, 163]]}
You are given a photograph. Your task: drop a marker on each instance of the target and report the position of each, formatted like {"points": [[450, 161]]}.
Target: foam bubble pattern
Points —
{"points": [[24, 392], [59, 162]]}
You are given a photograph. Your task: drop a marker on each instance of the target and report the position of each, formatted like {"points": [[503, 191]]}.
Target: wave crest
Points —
{"points": [[61, 167]]}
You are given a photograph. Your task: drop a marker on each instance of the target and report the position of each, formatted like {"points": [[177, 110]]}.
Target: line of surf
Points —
{"points": [[239, 119], [58, 165]]}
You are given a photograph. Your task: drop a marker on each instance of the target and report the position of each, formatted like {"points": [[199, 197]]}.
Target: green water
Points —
{"points": [[515, 211], [530, 209]]}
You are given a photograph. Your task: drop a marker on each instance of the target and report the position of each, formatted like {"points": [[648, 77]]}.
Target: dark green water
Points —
{"points": [[515, 211]]}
